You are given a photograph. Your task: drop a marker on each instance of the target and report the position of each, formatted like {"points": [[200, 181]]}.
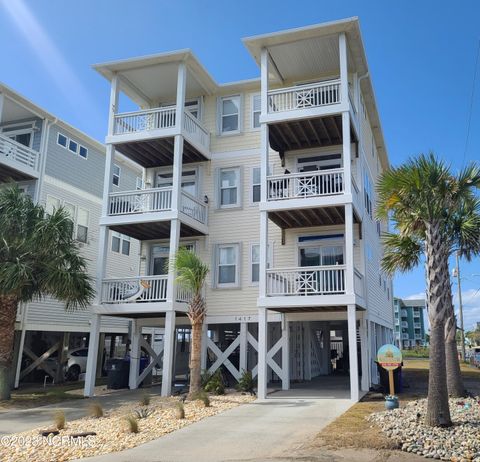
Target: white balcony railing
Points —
{"points": [[417, 325], [358, 284], [314, 280], [195, 131], [18, 153], [304, 96], [192, 207], [144, 120], [405, 337], [135, 289], [141, 201], [160, 118], [302, 185], [183, 295]]}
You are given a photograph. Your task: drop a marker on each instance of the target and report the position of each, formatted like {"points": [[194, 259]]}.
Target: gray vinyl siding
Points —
{"points": [[83, 173], [71, 168]]}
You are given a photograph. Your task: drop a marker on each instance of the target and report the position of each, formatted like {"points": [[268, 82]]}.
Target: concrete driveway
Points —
{"points": [[271, 430]]}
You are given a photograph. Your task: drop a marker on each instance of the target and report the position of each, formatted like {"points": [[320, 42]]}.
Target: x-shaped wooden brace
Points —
{"points": [[222, 357], [156, 358], [38, 360], [270, 354]]}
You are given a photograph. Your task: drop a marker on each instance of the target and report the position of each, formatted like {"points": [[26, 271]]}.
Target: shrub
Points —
{"points": [[143, 412], [95, 410], [203, 397], [145, 400], [206, 376], [132, 423], [215, 384], [59, 419], [180, 410], [246, 383]]}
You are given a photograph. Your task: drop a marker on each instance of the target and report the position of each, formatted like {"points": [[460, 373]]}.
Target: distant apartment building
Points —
{"points": [[271, 182], [409, 322], [58, 165]]}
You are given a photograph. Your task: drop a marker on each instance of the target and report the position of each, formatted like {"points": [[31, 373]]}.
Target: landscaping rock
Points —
{"points": [[406, 426]]}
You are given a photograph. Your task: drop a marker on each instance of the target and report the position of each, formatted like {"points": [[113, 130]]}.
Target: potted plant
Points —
{"points": [[391, 402]]}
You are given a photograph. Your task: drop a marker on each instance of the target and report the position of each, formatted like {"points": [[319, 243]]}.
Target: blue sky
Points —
{"points": [[421, 56]]}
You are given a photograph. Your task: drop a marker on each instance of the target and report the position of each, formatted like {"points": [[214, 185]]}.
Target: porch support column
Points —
{"points": [[243, 347], [352, 352], [180, 101], [307, 348], [349, 263], [285, 353], [93, 341], [20, 350], [203, 358], [134, 356], [365, 384], [262, 353], [168, 353]]}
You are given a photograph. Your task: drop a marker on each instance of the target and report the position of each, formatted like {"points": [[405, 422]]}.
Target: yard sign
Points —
{"points": [[389, 357]]}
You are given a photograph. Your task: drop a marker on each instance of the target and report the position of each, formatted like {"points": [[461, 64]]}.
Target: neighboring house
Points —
{"points": [[409, 322], [271, 182], [59, 165]]}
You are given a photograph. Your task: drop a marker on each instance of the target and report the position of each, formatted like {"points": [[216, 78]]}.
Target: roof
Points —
{"points": [[44, 114]]}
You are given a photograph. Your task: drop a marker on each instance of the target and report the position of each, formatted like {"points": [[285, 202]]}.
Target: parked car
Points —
{"points": [[76, 363]]}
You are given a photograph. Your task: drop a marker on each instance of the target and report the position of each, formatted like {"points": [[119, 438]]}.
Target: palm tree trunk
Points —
{"points": [[455, 385], [438, 410], [8, 314], [196, 314], [195, 355]]}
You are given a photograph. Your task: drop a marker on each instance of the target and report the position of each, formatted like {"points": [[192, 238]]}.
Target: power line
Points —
{"points": [[469, 121]]}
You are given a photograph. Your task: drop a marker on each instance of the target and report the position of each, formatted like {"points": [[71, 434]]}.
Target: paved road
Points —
{"points": [[261, 431]]}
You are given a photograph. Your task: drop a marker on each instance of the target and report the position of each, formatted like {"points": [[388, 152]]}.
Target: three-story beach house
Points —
{"points": [[271, 182]]}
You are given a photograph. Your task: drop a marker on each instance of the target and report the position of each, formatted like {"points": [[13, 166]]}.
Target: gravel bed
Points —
{"points": [[459, 443], [112, 430]]}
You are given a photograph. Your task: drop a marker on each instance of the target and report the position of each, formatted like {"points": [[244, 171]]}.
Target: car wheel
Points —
{"points": [[73, 373]]}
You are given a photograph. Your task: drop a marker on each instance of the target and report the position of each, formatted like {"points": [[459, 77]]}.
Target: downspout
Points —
{"points": [[43, 159]]}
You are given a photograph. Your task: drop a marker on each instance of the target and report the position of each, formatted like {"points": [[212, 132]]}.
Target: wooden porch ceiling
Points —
{"points": [[158, 152], [307, 133], [155, 230], [8, 174], [301, 218]]}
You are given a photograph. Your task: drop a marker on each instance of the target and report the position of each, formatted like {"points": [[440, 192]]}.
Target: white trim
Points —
{"points": [[238, 186], [220, 115], [238, 258]]}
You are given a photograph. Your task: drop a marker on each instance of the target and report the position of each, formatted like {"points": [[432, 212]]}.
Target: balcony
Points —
{"points": [[145, 214], [301, 97], [124, 294], [404, 324], [146, 136], [17, 161], [309, 286], [417, 325]]}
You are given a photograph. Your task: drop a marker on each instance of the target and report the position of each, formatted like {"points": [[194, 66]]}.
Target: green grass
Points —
{"points": [[416, 353]]}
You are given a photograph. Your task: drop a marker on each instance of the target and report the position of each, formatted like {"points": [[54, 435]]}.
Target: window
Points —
{"points": [[83, 152], [24, 137], [227, 265], [256, 110], [229, 183], [72, 146], [116, 175], [368, 193], [230, 114], [255, 261], [322, 250], [82, 225], [62, 140], [52, 204], [256, 188], [139, 183], [120, 243]]}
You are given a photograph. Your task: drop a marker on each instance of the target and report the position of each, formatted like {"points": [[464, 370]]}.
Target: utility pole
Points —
{"points": [[460, 305]]}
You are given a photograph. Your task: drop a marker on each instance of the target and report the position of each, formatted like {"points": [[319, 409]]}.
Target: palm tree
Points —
{"points": [[420, 197], [38, 257], [191, 275], [404, 253]]}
